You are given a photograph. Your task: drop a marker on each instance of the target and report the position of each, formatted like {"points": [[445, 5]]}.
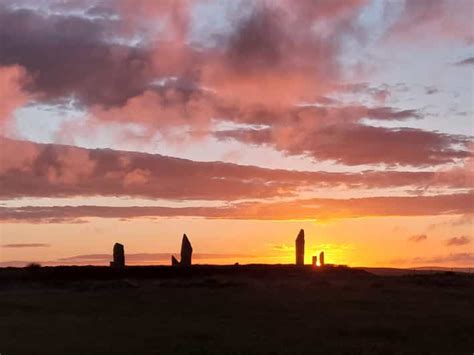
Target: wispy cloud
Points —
{"points": [[133, 259], [456, 241], [418, 238], [26, 245], [467, 61], [456, 258]]}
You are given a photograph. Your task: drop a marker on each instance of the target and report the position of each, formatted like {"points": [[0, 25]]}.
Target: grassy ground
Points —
{"points": [[262, 310]]}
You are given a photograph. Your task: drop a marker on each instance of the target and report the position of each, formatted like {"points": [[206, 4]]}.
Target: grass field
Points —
{"points": [[233, 310]]}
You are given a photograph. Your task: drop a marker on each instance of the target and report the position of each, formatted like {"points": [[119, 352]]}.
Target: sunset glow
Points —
{"points": [[238, 123]]}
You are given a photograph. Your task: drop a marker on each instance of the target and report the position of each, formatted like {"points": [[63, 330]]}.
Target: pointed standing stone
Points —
{"points": [[119, 256], [174, 261], [321, 258], [186, 251], [299, 248]]}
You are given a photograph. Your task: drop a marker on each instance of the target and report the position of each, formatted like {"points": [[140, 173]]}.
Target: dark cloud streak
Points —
{"points": [[25, 245], [316, 208], [458, 241]]}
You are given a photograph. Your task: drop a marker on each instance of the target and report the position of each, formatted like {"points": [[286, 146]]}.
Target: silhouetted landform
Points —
{"points": [[321, 258], [71, 273], [428, 270], [299, 248], [119, 256], [186, 253], [314, 261], [244, 309]]}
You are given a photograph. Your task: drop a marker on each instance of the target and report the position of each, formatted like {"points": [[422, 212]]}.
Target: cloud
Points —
{"points": [[138, 258], [143, 63], [51, 170], [356, 144], [130, 258], [274, 50], [131, 44], [467, 219], [300, 209], [282, 248], [12, 96], [464, 220], [380, 94], [467, 61], [452, 258], [141, 67], [25, 245], [422, 20], [457, 241], [418, 238], [72, 56], [430, 90]]}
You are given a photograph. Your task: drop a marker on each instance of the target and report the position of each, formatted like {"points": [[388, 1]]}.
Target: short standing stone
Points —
{"points": [[119, 256], [174, 261], [315, 261]]}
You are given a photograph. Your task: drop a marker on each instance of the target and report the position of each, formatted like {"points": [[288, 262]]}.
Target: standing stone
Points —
{"points": [[315, 261], [321, 258], [299, 248], [174, 261], [186, 251], [119, 256]]}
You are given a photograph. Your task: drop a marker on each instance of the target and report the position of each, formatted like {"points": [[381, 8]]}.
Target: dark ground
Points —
{"points": [[233, 310]]}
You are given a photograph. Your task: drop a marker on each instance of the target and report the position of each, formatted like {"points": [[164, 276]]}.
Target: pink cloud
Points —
{"points": [[424, 20], [275, 56], [272, 56], [355, 144], [457, 241], [316, 208], [12, 95], [418, 238], [49, 170]]}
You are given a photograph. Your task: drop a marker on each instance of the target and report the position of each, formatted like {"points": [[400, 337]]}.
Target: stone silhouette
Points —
{"points": [[299, 248], [321, 258], [119, 256], [186, 253], [315, 261]]}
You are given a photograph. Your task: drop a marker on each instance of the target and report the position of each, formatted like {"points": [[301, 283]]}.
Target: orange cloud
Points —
{"points": [[456, 241], [418, 238]]}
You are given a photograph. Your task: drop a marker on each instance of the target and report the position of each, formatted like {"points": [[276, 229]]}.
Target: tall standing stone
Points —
{"points": [[186, 251], [119, 256], [299, 248], [321, 258]]}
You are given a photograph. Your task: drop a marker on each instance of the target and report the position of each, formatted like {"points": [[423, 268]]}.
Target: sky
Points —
{"points": [[237, 122]]}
